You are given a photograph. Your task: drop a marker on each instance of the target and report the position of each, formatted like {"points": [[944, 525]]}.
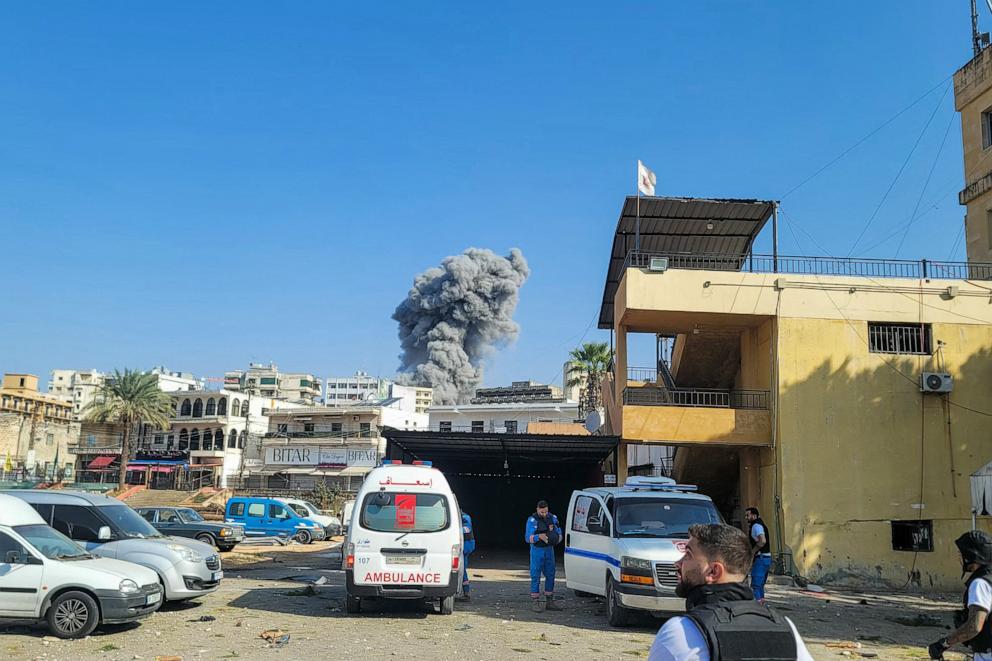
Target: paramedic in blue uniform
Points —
{"points": [[542, 534], [469, 536]]}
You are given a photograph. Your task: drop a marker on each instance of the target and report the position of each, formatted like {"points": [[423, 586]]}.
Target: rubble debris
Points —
{"points": [[203, 618], [918, 620]]}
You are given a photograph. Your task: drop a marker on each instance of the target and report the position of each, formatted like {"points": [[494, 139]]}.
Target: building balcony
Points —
{"points": [[696, 416]]}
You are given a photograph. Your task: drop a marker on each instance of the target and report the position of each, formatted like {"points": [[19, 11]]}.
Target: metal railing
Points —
{"points": [[367, 433], [696, 397], [804, 265], [646, 374]]}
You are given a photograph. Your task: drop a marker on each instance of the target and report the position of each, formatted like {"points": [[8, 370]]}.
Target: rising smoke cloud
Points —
{"points": [[454, 316]]}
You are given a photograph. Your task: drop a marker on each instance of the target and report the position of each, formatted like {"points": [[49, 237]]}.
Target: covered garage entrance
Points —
{"points": [[498, 478]]}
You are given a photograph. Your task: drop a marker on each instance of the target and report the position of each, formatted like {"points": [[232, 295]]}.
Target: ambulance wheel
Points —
{"points": [[353, 605], [304, 537], [447, 605], [73, 615], [616, 614]]}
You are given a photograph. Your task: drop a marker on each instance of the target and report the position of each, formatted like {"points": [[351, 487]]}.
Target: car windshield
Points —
{"points": [[299, 509], [52, 543], [661, 517], [190, 516], [387, 511], [129, 521], [310, 506]]}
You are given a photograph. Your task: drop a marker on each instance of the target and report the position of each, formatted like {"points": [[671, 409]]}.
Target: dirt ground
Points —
{"points": [[270, 588]]}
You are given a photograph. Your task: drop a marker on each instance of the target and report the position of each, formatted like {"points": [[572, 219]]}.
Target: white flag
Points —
{"points": [[645, 179]]}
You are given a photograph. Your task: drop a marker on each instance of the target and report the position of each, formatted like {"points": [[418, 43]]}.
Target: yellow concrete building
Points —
{"points": [[794, 385], [35, 429], [973, 99]]}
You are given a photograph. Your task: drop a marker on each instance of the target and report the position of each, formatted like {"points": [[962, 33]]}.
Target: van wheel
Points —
{"points": [[205, 538], [616, 614], [304, 537], [447, 605], [352, 605], [73, 615]]}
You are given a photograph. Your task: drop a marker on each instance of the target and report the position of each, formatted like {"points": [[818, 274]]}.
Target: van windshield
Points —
{"points": [[53, 544], [661, 517], [129, 521], [389, 511]]}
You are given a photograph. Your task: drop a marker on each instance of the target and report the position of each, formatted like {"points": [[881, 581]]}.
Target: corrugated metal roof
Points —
{"points": [[679, 225], [563, 448]]}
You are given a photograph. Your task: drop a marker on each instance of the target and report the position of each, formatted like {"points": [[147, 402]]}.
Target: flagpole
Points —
{"points": [[637, 221]]}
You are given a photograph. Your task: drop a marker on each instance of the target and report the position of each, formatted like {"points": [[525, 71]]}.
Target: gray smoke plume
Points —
{"points": [[454, 316]]}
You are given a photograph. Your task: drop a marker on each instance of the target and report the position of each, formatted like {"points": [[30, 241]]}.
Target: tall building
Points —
{"points": [[346, 390], [77, 387], [507, 409], [36, 429], [973, 99], [850, 408], [170, 381], [267, 381]]}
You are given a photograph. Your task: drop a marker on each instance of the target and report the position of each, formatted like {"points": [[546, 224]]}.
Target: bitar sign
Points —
{"points": [[313, 455]]}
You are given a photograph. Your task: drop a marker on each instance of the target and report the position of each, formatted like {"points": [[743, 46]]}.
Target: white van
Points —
{"points": [[622, 543], [405, 538], [306, 509], [46, 575]]}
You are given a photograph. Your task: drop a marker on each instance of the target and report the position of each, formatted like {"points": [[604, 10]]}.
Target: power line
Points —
{"points": [[926, 183], [864, 139], [899, 173]]}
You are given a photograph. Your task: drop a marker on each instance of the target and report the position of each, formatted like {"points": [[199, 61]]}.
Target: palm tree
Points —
{"points": [[127, 399], [587, 365]]}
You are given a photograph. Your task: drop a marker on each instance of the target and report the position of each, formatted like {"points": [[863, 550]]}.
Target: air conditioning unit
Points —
{"points": [[936, 382]]}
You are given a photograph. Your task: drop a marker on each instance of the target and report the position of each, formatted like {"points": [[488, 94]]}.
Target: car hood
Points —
{"points": [[118, 569], [656, 549], [198, 546]]}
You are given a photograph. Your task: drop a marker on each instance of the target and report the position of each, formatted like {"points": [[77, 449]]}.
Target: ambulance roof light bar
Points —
{"points": [[398, 462], [641, 482]]}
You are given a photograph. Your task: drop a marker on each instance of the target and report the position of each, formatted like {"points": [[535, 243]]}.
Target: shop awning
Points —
{"points": [[156, 462], [355, 470], [103, 461]]}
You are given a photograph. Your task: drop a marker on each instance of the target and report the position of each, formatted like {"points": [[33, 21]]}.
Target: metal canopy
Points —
{"points": [[672, 225], [468, 446]]}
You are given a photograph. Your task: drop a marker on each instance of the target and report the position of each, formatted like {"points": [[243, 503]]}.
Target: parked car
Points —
{"points": [[106, 527], [269, 517], [412, 503], [187, 522], [44, 575], [332, 524], [622, 543]]}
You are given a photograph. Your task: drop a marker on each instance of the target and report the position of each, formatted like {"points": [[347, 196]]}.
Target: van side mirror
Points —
{"points": [[13, 558], [103, 534]]}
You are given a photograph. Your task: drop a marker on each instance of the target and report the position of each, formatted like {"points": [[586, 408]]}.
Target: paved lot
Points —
{"points": [[260, 594]]}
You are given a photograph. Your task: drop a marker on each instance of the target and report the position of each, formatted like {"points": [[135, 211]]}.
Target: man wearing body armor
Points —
{"points": [[723, 622], [973, 622], [542, 533]]}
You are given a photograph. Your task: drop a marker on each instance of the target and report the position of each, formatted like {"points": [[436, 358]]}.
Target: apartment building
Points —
{"points": [[76, 386], [508, 409], [36, 429], [267, 381], [346, 390]]}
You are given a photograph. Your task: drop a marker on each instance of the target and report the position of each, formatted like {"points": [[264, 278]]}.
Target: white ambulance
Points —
{"points": [[404, 538], [622, 543]]}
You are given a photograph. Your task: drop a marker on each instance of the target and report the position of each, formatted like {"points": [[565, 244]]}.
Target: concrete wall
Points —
{"points": [[973, 96]]}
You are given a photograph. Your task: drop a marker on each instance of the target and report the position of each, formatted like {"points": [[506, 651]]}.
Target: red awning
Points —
{"points": [[103, 461]]}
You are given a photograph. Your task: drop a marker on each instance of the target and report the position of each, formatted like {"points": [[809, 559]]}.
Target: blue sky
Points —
{"points": [[206, 184]]}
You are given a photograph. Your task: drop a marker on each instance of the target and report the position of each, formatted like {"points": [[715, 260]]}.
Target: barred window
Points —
{"points": [[899, 338]]}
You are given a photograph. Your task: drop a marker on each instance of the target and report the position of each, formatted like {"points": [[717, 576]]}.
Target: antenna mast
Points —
{"points": [[976, 44]]}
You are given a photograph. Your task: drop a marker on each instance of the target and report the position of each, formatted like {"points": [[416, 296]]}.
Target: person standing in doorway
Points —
{"points": [[542, 534], [762, 549], [468, 535]]}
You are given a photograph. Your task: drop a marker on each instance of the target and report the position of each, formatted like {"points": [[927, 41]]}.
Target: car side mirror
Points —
{"points": [[103, 534], [13, 558], [33, 560]]}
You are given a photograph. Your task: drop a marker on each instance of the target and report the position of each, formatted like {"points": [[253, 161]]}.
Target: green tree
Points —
{"points": [[128, 399], [586, 368]]}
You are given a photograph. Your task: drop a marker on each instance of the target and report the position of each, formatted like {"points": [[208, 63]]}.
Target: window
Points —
{"points": [[511, 426], [222, 406], [232, 439], [661, 517], [588, 516], [387, 511], [49, 439], [211, 407], [8, 544], [278, 512], [186, 409], [912, 536], [988, 227], [268, 381], [336, 427], [167, 516], [899, 338], [244, 409], [76, 522], [478, 426], [183, 440], [170, 442], [238, 509], [444, 426], [308, 427], [198, 408], [194, 440], [282, 428], [256, 509], [219, 439], [241, 439], [987, 129], [236, 407]]}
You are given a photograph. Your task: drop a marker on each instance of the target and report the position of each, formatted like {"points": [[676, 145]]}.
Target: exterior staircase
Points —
{"points": [[156, 498]]}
